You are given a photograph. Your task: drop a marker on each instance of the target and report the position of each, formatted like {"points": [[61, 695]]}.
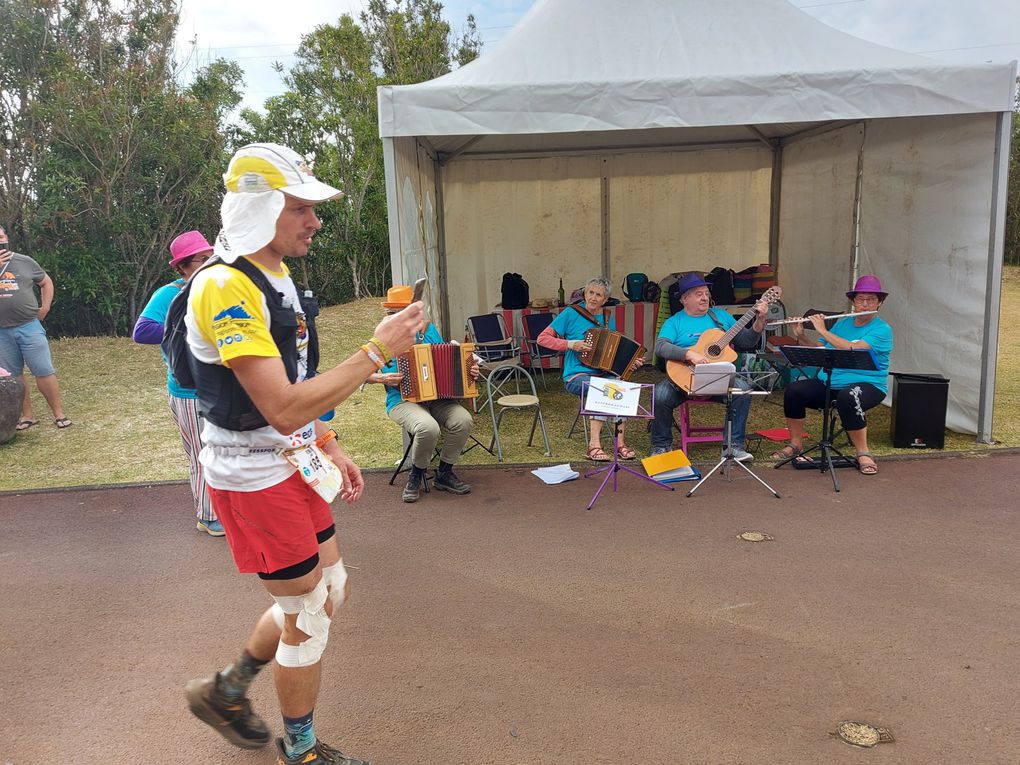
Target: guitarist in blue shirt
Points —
{"points": [[676, 341]]}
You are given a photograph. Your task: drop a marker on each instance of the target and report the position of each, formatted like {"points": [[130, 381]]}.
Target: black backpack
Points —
{"points": [[652, 293], [720, 282], [515, 291], [675, 305], [175, 332]]}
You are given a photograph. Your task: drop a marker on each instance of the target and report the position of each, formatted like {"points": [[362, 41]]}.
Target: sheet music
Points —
{"points": [[712, 379]]}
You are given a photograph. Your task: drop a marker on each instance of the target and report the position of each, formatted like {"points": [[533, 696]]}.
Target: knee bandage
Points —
{"points": [[335, 577], [311, 620]]}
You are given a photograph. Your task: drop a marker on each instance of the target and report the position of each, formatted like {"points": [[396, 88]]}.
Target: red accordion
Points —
{"points": [[436, 371]]}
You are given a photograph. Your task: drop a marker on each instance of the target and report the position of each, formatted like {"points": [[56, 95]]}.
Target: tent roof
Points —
{"points": [[602, 65]]}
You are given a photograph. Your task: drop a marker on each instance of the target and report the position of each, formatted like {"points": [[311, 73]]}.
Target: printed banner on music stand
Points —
{"points": [[613, 396]]}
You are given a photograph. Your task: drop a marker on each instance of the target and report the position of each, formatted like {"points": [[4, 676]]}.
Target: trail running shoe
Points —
{"points": [[320, 754], [234, 721]]}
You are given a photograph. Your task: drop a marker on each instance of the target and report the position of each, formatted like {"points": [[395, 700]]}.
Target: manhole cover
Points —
{"points": [[862, 734], [755, 536]]}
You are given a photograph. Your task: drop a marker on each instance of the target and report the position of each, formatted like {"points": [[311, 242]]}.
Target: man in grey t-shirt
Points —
{"points": [[22, 337]]}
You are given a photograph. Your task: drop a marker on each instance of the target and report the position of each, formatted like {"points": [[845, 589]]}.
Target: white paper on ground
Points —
{"points": [[556, 473]]}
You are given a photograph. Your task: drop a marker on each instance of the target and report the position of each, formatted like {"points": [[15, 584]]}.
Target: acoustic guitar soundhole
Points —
{"points": [[714, 351]]}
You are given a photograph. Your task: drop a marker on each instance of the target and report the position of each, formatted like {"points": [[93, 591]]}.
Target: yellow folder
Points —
{"points": [[666, 462]]}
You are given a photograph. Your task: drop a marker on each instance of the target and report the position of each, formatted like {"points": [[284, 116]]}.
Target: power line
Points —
{"points": [[972, 47], [838, 2]]}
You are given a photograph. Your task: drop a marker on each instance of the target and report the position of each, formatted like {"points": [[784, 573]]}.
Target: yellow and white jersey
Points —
{"points": [[228, 318]]}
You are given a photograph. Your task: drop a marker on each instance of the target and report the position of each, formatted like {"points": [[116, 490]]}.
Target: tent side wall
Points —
{"points": [[924, 231], [925, 208], [816, 220], [694, 210], [536, 217], [544, 218], [412, 202]]}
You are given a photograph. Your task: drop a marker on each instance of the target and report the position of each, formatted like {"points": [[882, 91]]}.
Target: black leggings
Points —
{"points": [[851, 402]]}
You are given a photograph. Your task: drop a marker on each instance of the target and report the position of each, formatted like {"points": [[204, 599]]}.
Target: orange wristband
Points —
{"points": [[325, 438], [373, 357]]}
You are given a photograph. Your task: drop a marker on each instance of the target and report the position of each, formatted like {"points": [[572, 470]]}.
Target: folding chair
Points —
{"points": [[540, 358], [494, 345], [511, 388]]}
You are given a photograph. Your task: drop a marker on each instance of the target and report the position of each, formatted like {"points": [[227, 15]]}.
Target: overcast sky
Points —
{"points": [[256, 33]]}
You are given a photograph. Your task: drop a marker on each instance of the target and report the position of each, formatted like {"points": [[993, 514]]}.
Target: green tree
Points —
{"points": [[330, 111], [1012, 243], [125, 157], [26, 49]]}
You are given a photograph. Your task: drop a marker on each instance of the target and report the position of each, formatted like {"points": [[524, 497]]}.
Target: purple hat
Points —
{"points": [[690, 282], [187, 244], [868, 283]]}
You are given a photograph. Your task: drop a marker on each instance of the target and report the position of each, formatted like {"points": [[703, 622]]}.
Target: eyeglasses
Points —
{"points": [[866, 299], [197, 260]]}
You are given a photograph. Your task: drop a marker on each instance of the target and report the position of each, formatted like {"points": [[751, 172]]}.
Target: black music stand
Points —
{"points": [[615, 467], [827, 359]]}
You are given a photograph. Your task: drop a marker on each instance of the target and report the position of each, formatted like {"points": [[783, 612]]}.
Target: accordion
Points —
{"points": [[611, 352], [436, 371]]}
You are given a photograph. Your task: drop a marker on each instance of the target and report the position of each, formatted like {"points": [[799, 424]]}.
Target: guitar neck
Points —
{"points": [[732, 332]]}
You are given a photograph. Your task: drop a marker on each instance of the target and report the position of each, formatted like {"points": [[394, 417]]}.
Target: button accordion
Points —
{"points": [[434, 371], [611, 352]]}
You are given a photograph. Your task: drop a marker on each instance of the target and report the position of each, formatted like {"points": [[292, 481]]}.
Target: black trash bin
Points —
{"points": [[919, 411]]}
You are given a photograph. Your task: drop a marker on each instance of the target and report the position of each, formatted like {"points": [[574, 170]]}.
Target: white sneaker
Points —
{"points": [[659, 450], [740, 455]]}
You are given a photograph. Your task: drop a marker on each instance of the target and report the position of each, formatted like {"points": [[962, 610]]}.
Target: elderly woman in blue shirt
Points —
{"points": [[566, 334], [854, 390]]}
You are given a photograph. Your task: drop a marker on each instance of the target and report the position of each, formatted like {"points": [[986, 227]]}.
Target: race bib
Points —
{"points": [[317, 470]]}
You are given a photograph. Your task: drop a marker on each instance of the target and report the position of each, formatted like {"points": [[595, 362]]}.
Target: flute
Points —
{"points": [[806, 319]]}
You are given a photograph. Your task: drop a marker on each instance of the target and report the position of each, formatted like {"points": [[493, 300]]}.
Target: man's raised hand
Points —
{"points": [[398, 331]]}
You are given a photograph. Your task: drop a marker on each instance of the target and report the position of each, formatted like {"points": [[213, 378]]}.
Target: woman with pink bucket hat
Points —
{"points": [[854, 390], [187, 254]]}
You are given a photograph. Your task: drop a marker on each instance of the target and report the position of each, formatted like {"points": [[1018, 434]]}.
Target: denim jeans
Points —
{"points": [[668, 397], [573, 385]]}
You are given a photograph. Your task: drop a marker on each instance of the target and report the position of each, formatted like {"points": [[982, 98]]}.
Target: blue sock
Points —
{"points": [[298, 736]]}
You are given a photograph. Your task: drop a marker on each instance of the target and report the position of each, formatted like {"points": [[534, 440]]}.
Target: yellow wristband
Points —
{"points": [[373, 357], [382, 348]]}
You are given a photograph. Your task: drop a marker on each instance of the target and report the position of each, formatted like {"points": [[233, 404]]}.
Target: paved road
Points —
{"points": [[512, 626]]}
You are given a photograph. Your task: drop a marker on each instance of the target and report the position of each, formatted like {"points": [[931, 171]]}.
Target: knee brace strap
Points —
{"points": [[335, 577], [311, 620]]}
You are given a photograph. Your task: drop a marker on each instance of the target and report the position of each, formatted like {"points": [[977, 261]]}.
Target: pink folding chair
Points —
{"points": [[695, 434]]}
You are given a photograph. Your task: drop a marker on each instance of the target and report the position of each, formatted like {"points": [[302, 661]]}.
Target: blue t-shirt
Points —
{"points": [[877, 334], [156, 310], [430, 336], [685, 330], [570, 325]]}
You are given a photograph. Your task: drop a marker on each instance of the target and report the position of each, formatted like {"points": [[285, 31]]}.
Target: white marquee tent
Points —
{"points": [[603, 137]]}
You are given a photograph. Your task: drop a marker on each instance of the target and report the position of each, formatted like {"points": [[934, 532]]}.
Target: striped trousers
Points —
{"points": [[190, 422]]}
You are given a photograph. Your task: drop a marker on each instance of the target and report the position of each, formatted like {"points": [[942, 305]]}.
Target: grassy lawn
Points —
{"points": [[115, 392]]}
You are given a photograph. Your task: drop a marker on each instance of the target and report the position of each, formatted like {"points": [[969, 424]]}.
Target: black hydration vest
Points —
{"points": [[221, 398]]}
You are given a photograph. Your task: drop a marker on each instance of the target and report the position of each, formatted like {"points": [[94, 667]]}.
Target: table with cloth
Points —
{"points": [[638, 321]]}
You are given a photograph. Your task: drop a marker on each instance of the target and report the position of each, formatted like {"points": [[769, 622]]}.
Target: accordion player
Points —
{"points": [[611, 352], [436, 371]]}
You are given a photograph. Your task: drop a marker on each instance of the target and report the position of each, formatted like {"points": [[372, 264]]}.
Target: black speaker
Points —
{"points": [[919, 411]]}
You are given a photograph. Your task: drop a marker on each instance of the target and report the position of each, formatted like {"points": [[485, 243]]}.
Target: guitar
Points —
{"points": [[714, 344]]}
